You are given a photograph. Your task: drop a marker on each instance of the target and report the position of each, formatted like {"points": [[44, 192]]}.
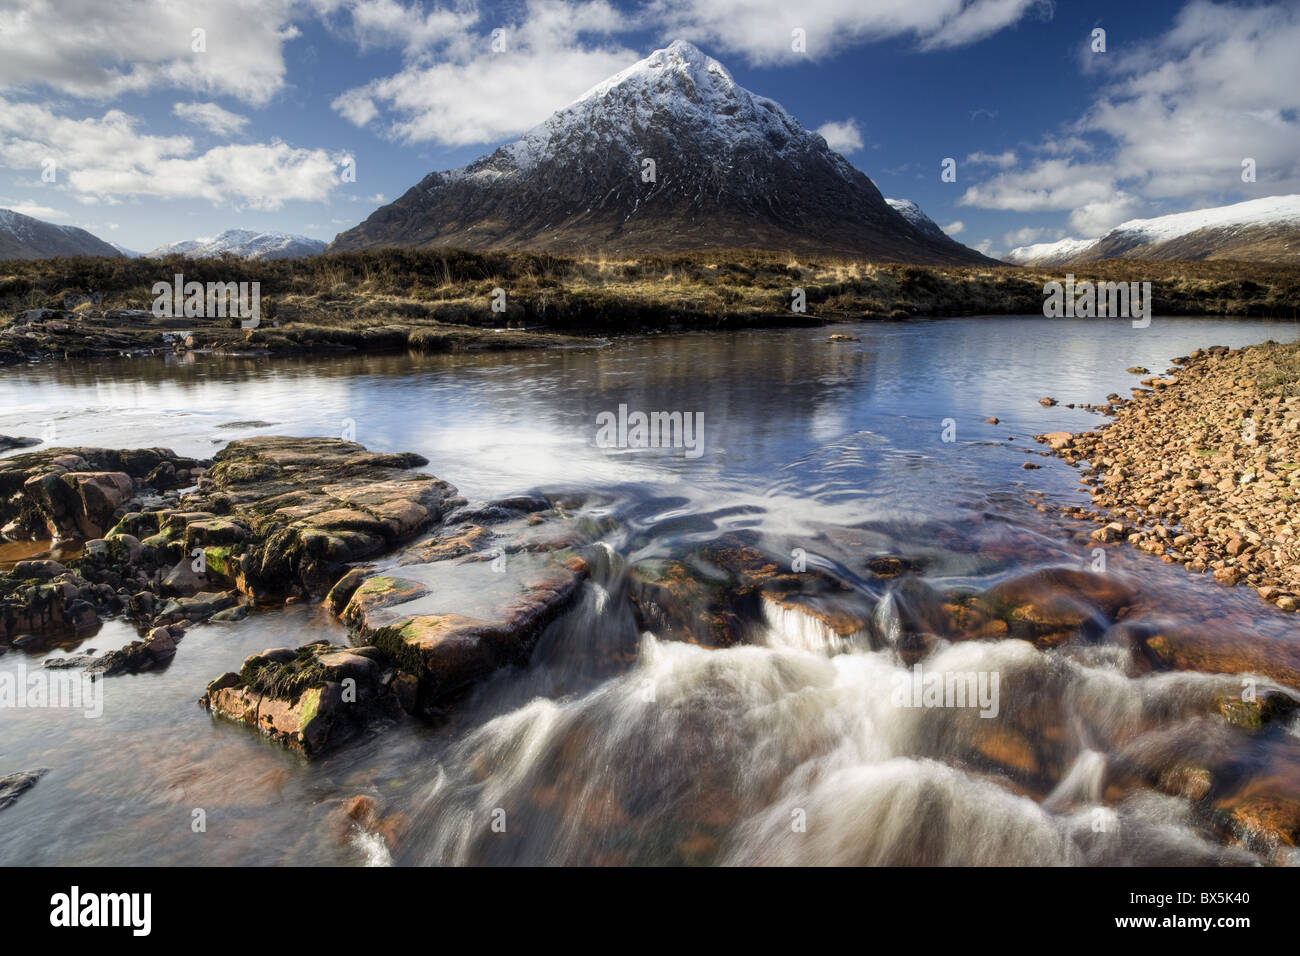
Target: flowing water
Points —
{"points": [[617, 745]]}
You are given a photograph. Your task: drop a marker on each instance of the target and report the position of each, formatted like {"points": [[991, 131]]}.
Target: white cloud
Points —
{"points": [[953, 228], [760, 30], [211, 117], [101, 160], [35, 211], [1025, 236], [1172, 124], [1050, 184], [1223, 84], [386, 23], [986, 247], [99, 50], [1001, 160], [844, 137], [473, 94], [1100, 216]]}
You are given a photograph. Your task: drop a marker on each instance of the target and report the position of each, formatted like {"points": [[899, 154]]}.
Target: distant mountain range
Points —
{"points": [[245, 243], [23, 237], [670, 154], [1260, 230]]}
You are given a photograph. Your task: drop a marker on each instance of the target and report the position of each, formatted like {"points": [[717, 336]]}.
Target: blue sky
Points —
{"points": [[148, 132]]}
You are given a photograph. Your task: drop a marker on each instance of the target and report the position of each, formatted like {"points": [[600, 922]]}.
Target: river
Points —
{"points": [[783, 751]]}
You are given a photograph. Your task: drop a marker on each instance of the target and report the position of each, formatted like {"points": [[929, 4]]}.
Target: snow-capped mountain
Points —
{"points": [[182, 248], [129, 253], [245, 243], [1058, 253], [668, 154], [23, 237], [1259, 230]]}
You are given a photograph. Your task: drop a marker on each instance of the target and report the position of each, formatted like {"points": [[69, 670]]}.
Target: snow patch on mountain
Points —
{"points": [[1048, 253], [913, 214], [1254, 212], [676, 87]]}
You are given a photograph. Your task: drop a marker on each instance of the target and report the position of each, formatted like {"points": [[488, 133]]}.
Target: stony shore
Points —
{"points": [[1202, 468]]}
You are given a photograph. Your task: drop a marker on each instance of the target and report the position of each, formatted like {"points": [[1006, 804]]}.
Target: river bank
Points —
{"points": [[1202, 467], [452, 300]]}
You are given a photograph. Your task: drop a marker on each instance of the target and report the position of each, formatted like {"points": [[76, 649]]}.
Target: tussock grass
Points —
{"points": [[451, 286]]}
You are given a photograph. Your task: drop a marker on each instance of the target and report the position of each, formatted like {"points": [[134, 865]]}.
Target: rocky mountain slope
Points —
{"points": [[24, 237]]}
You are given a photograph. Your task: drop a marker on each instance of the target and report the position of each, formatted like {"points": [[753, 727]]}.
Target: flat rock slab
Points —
{"points": [[453, 622]]}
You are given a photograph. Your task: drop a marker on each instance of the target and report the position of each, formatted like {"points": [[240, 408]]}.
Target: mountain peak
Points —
{"points": [[677, 88], [667, 68], [670, 153]]}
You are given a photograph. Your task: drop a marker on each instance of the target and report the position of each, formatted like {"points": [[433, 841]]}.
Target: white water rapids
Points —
{"points": [[794, 753]]}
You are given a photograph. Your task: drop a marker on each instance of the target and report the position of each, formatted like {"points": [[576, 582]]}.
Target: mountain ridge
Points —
{"points": [[245, 243], [1257, 230], [26, 237]]}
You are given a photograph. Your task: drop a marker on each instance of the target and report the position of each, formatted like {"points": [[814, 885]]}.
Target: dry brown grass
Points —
{"points": [[448, 285]]}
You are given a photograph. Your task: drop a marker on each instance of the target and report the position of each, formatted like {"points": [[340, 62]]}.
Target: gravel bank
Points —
{"points": [[1202, 467]]}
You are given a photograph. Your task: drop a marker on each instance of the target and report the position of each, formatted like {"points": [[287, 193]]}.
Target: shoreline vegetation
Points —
{"points": [[442, 300], [1202, 467]]}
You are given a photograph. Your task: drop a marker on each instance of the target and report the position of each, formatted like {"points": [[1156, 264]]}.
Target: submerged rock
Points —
{"points": [[1052, 605], [721, 593], [7, 442], [15, 785]]}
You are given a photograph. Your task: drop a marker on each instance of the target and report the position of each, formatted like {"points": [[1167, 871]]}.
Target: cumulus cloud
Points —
{"points": [[454, 89], [211, 117], [479, 90], [35, 210], [760, 30], [106, 158], [1050, 184], [843, 137], [1172, 124], [98, 50], [953, 228], [1025, 236]]}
